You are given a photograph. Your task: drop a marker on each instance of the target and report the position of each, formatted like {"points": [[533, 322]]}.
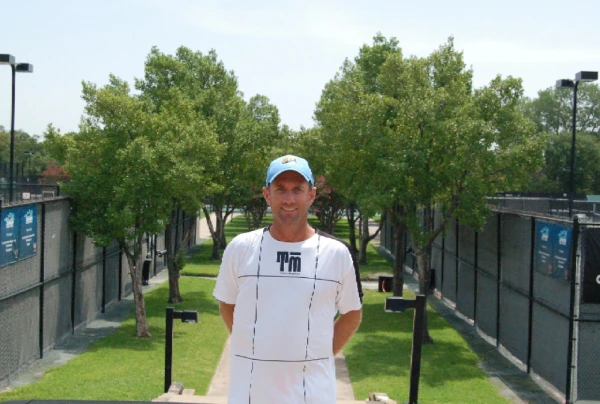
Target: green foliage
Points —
{"points": [[328, 205], [552, 110], [552, 113], [115, 168], [421, 134], [29, 152], [556, 172]]}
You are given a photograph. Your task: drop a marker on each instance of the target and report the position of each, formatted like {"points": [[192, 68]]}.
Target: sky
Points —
{"points": [[286, 50]]}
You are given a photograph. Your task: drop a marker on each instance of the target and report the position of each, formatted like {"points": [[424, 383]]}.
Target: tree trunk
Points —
{"points": [[172, 260], [352, 227], [136, 281], [214, 232], [221, 232], [395, 215], [364, 240], [423, 255], [424, 264], [228, 212]]}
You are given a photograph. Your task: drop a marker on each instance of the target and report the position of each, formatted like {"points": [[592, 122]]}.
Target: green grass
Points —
{"points": [[201, 264], [123, 367], [378, 358]]}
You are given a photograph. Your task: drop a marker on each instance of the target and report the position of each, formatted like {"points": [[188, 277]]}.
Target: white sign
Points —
{"points": [[26, 195]]}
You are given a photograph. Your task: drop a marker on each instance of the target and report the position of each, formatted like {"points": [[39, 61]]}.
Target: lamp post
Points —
{"points": [[186, 316], [398, 304], [579, 77], [6, 59]]}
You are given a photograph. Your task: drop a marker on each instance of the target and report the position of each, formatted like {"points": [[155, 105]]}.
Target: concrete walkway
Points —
{"points": [[219, 386]]}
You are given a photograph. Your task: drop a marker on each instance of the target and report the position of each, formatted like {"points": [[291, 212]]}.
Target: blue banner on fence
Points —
{"points": [[8, 236], [28, 231], [18, 234], [553, 249]]}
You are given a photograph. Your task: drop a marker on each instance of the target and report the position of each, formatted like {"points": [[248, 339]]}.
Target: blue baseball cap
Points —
{"points": [[289, 163]]}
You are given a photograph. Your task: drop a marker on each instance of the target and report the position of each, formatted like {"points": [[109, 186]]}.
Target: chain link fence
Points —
{"points": [[528, 301], [64, 285]]}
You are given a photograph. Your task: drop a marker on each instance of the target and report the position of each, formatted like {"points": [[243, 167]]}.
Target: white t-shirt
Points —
{"points": [[286, 297]]}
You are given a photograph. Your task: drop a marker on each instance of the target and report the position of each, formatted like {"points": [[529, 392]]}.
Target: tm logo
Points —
{"points": [[292, 259]]}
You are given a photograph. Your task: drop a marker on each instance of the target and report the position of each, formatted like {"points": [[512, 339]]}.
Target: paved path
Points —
{"points": [[220, 382]]}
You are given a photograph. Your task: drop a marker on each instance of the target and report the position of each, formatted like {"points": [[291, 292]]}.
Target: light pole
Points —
{"points": [[579, 77], [6, 59]]}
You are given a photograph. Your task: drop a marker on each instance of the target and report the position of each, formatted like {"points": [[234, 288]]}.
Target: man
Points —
{"points": [[279, 290]]}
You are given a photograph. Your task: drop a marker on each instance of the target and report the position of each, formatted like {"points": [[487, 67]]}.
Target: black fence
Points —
{"points": [[24, 192], [524, 300], [63, 285], [548, 206]]}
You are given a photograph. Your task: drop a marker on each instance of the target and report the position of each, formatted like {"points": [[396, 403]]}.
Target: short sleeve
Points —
{"points": [[227, 287], [349, 298]]}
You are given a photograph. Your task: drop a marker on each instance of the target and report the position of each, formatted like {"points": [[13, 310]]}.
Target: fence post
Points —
{"points": [[531, 269], [103, 279], [456, 261], [73, 282], [442, 269], [574, 254], [475, 277], [120, 273], [42, 242], [498, 276], [154, 253]]}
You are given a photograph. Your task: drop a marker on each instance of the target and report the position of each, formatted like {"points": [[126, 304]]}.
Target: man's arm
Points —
{"points": [[344, 327], [226, 311]]}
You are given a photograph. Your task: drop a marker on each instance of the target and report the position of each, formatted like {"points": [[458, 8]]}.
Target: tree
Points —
{"points": [[353, 119], [53, 173], [328, 204], [258, 131], [128, 164], [248, 152], [557, 154], [29, 154], [455, 146], [181, 90], [417, 138], [552, 110], [552, 113], [115, 178]]}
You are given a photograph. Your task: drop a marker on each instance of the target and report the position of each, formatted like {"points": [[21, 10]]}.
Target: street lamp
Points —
{"points": [[20, 68], [579, 77]]}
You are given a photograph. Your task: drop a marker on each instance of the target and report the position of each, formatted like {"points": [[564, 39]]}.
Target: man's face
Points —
{"points": [[289, 197]]}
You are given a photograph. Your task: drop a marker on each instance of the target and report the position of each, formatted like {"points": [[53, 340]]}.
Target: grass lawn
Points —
{"points": [[122, 367], [378, 358]]}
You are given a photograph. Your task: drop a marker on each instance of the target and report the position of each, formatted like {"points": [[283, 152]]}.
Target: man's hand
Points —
{"points": [[344, 327], [226, 311]]}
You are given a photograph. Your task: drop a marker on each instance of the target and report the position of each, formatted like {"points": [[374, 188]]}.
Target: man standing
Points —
{"points": [[280, 289]]}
